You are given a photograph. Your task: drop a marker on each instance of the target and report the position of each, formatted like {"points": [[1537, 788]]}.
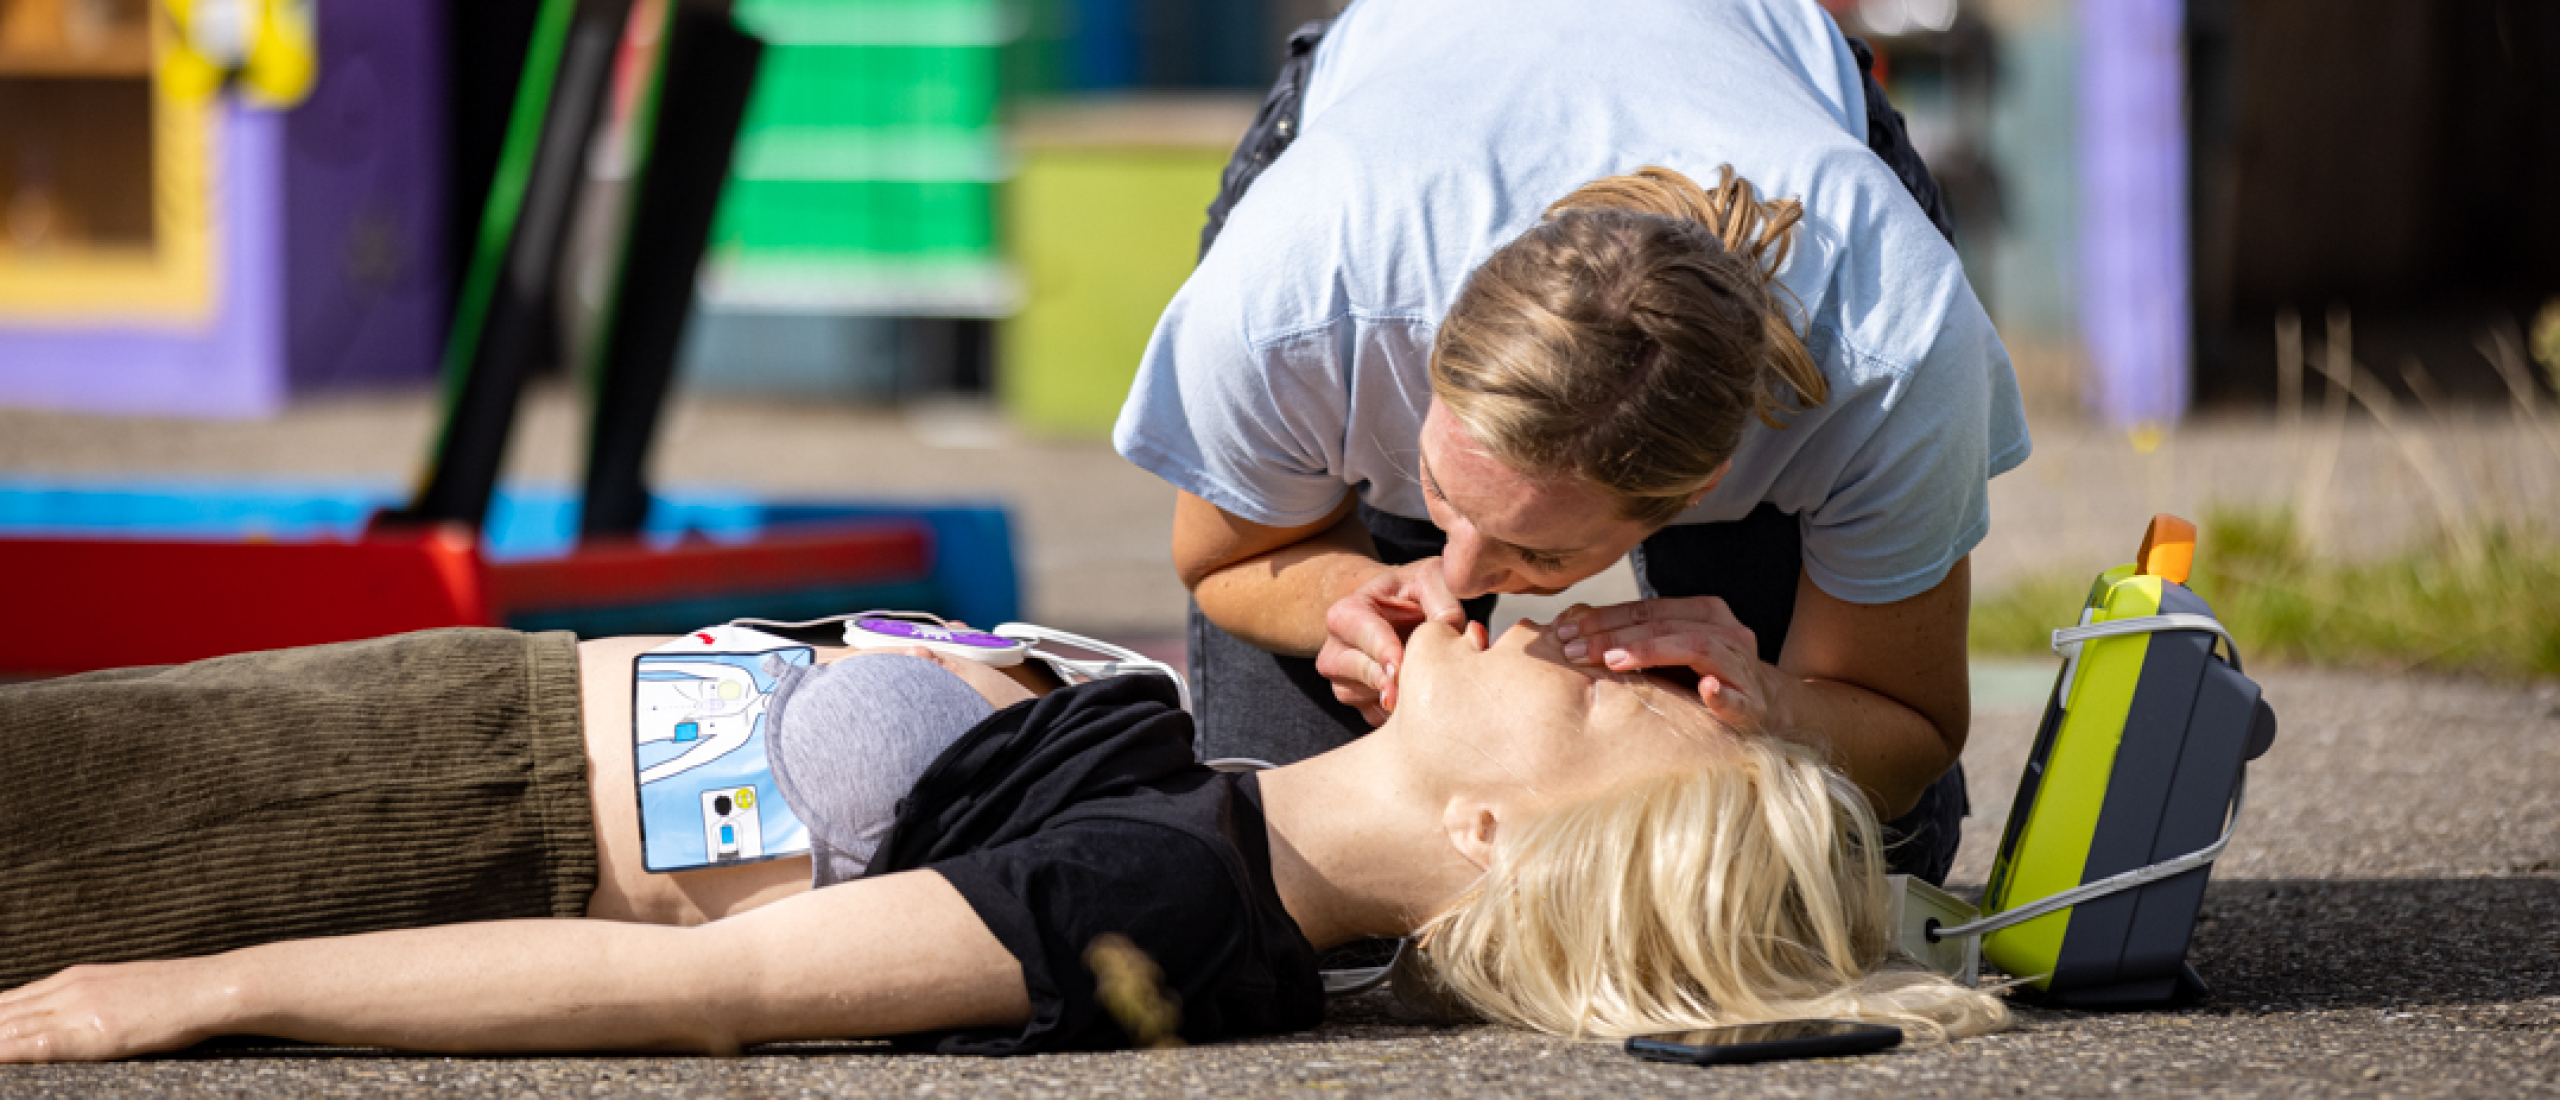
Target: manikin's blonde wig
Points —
{"points": [[1747, 890], [1627, 338]]}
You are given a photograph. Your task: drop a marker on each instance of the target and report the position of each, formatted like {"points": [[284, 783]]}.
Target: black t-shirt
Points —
{"points": [[1082, 813]]}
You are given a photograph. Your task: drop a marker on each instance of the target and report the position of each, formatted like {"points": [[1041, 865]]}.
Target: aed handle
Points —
{"points": [[2112, 884]]}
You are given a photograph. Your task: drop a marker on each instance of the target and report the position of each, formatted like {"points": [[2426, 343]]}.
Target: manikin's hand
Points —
{"points": [[92, 1013], [996, 685], [1697, 633], [1365, 632]]}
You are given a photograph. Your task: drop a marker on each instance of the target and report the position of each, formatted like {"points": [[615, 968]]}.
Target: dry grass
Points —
{"points": [[2488, 604], [2471, 596]]}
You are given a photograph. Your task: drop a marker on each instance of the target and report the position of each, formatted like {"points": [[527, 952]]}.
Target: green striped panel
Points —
{"points": [[884, 218], [861, 85]]}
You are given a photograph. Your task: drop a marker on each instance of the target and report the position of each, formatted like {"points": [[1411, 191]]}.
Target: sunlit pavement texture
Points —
{"points": [[2386, 923]]}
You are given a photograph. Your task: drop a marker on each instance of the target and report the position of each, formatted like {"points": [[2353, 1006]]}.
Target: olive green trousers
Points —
{"points": [[398, 782]]}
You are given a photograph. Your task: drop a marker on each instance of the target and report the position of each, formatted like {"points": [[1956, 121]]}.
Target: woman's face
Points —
{"points": [[1509, 532], [1559, 731]]}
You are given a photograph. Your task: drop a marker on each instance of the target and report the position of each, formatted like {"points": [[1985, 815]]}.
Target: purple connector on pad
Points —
{"points": [[992, 649]]}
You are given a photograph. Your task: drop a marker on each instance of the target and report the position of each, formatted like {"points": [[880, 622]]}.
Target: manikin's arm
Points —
{"points": [[883, 956]]}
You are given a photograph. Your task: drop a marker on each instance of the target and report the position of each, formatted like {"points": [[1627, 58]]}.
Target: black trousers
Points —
{"points": [[1252, 703]]}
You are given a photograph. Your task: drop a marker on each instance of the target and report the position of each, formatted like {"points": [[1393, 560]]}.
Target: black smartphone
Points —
{"points": [[1712, 1046]]}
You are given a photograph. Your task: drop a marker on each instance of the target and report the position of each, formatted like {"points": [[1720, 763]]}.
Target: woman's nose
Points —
{"points": [[1463, 560]]}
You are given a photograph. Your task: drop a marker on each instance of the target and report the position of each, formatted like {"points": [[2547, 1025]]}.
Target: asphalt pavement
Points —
{"points": [[2386, 923]]}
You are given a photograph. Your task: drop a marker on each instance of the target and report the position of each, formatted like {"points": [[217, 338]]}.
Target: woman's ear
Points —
{"points": [[1712, 480], [1470, 826]]}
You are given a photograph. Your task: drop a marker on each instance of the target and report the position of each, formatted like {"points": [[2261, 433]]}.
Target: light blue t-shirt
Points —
{"points": [[1293, 366]]}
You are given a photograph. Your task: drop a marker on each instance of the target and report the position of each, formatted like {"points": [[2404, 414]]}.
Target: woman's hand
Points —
{"points": [[93, 1013], [1696, 633], [1365, 632]]}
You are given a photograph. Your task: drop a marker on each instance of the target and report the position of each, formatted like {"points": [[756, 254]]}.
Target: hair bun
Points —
{"points": [[1731, 211]]}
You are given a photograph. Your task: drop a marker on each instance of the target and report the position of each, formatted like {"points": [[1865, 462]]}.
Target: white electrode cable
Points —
{"points": [[1122, 659], [2139, 876], [835, 620], [1118, 659]]}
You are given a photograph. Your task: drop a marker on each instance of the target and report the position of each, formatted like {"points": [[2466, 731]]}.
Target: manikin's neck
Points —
{"points": [[1358, 846]]}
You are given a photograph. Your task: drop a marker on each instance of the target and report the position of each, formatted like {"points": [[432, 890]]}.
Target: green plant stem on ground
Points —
{"points": [[2486, 604]]}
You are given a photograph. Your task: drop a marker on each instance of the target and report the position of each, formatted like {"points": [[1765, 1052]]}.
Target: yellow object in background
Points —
{"points": [[165, 278], [265, 47], [1103, 223]]}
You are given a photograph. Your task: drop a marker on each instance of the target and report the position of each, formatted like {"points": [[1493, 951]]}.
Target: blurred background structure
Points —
{"points": [[988, 197], [953, 222], [169, 246]]}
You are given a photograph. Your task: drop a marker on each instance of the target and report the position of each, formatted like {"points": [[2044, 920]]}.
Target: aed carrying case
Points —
{"points": [[2131, 790]]}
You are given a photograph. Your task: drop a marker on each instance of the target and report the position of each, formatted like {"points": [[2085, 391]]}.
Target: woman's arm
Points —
{"points": [[1314, 591], [1884, 685], [883, 956], [1881, 687]]}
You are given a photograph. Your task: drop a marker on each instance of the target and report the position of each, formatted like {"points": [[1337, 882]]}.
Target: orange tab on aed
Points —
{"points": [[2168, 549]]}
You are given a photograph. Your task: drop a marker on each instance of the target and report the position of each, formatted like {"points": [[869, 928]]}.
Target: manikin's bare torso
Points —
{"points": [[624, 889]]}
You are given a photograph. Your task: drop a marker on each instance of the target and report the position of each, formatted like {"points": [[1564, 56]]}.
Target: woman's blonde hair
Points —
{"points": [[1625, 338], [1747, 890]]}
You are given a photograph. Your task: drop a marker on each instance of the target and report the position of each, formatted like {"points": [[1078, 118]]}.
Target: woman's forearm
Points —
{"points": [[507, 986], [1271, 586], [1883, 686], [1890, 750], [1278, 601]]}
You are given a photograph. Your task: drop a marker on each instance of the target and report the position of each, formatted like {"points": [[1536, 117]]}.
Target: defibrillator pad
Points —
{"points": [[700, 739]]}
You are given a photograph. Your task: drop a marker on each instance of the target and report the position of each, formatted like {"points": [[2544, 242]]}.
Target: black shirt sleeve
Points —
{"points": [[1049, 897], [1082, 814]]}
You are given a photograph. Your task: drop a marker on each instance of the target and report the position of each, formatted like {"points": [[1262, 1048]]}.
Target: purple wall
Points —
{"points": [[327, 246], [364, 176], [228, 365], [2134, 307]]}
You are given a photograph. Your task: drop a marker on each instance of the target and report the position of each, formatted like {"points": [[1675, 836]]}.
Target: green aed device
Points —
{"points": [[2130, 792]]}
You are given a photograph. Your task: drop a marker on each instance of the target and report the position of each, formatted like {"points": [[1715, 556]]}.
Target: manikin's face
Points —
{"points": [[1558, 731], [1509, 532]]}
